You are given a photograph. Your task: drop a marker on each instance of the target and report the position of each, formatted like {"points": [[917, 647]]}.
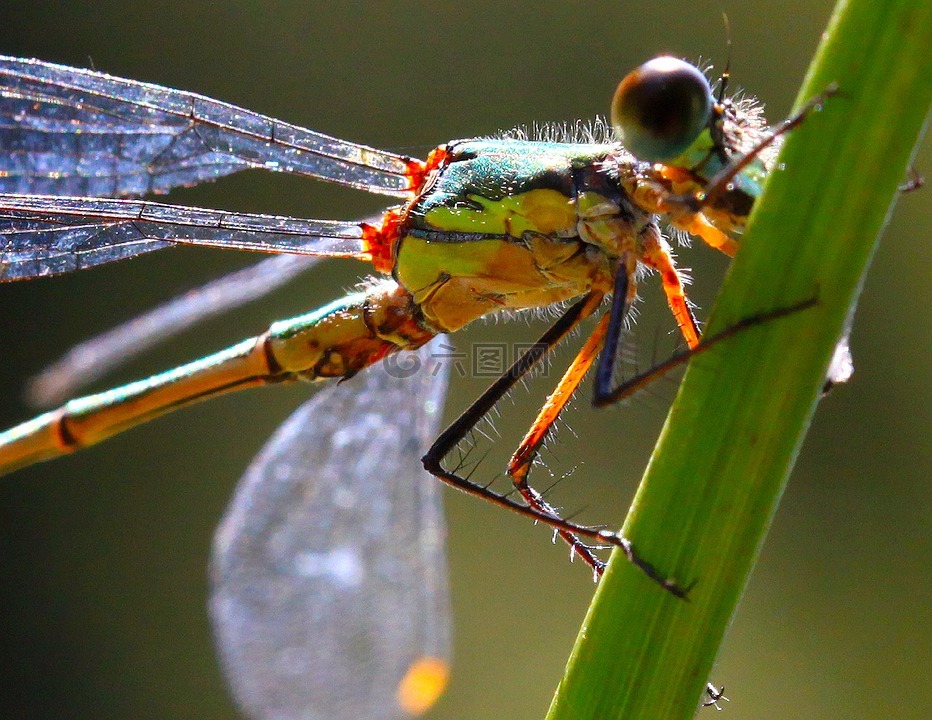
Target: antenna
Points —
{"points": [[726, 74]]}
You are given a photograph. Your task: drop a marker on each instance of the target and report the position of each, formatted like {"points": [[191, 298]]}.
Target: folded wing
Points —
{"points": [[46, 235], [67, 131]]}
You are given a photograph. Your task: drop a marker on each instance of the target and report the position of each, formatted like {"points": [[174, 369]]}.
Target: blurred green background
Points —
{"points": [[103, 555]]}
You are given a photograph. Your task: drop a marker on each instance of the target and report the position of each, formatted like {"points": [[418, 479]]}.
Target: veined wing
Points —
{"points": [[93, 358], [328, 570], [45, 235], [67, 131]]}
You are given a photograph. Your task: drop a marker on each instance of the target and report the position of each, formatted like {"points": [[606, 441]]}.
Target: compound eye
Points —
{"points": [[660, 108]]}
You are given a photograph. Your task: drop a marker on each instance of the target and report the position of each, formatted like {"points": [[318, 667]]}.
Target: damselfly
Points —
{"points": [[484, 226]]}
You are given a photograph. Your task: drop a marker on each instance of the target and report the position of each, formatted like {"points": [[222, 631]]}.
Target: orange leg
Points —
{"points": [[540, 511], [697, 224], [656, 253], [523, 458]]}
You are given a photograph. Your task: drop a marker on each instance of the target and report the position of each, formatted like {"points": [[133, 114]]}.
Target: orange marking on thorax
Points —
{"points": [[380, 241], [416, 172], [420, 171]]}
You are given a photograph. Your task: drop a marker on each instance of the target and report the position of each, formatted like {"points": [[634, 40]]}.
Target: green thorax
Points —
{"points": [[508, 187], [500, 227]]}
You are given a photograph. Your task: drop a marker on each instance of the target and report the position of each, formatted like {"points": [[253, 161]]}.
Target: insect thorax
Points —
{"points": [[510, 224]]}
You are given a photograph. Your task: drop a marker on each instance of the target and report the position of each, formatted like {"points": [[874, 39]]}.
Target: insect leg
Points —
{"points": [[655, 252], [605, 394], [522, 460], [459, 429]]}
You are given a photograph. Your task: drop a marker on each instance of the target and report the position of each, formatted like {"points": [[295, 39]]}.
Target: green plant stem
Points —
{"points": [[730, 440]]}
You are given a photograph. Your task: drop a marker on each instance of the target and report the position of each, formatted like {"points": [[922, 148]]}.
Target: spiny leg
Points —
{"points": [[655, 252], [458, 430], [695, 223], [523, 458], [605, 394]]}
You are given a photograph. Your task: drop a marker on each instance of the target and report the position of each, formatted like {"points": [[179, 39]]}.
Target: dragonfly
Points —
{"points": [[330, 556]]}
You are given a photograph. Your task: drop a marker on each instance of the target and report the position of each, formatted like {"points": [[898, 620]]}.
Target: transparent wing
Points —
{"points": [[66, 131], [92, 359], [45, 235], [328, 571]]}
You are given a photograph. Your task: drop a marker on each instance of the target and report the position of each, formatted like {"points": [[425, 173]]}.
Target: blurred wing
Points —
{"points": [[92, 359], [66, 131], [45, 235], [329, 595]]}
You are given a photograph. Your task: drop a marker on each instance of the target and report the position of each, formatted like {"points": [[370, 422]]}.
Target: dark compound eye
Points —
{"points": [[660, 108]]}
